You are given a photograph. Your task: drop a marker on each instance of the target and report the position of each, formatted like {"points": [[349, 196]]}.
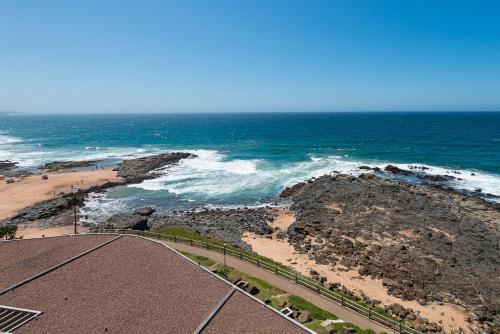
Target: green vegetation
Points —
{"points": [[314, 311], [8, 231], [189, 234], [201, 260], [276, 297]]}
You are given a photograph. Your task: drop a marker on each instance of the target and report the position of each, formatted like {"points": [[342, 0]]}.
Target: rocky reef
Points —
{"points": [[426, 243], [67, 165], [136, 170], [222, 224]]}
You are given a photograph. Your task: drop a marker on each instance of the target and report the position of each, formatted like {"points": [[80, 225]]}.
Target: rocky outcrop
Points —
{"points": [[396, 170], [127, 221], [146, 211], [426, 243], [11, 169], [53, 207], [224, 224], [136, 170], [67, 165]]}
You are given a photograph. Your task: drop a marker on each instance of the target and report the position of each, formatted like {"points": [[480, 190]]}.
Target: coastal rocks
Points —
{"points": [[147, 211], [39, 211], [396, 170], [11, 169], [7, 165], [49, 210], [136, 170], [289, 191], [427, 244], [224, 224], [67, 165], [127, 221]]}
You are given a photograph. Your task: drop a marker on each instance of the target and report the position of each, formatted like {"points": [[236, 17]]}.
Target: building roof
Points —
{"points": [[124, 284]]}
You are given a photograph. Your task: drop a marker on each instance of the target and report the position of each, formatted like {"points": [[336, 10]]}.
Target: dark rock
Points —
{"points": [[126, 221], [253, 290], [281, 235], [396, 170], [135, 170], [146, 211], [65, 165], [436, 237], [227, 224], [436, 178], [290, 191]]}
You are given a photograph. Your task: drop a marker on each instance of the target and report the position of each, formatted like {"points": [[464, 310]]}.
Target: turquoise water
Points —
{"points": [[245, 159]]}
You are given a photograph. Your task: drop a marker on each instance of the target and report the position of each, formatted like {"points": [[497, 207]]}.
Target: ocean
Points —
{"points": [[245, 159]]}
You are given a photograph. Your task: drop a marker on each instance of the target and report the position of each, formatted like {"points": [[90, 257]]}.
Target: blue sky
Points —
{"points": [[183, 56]]}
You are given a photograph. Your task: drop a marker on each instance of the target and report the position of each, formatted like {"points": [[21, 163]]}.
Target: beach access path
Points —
{"points": [[284, 284]]}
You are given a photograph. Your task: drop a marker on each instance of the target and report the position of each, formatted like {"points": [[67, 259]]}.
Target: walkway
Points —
{"points": [[282, 283]]}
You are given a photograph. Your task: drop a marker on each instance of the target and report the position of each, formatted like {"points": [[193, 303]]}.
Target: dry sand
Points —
{"points": [[452, 316], [29, 231], [32, 189]]}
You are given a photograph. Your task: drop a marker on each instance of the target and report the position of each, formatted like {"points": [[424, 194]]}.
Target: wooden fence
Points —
{"points": [[395, 325]]}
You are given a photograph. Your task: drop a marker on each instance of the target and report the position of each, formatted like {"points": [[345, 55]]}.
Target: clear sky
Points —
{"points": [[209, 55]]}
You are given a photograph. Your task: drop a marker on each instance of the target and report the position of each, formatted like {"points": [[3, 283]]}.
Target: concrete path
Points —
{"points": [[280, 282]]}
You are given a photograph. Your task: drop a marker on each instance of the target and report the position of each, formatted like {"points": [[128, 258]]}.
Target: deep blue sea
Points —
{"points": [[246, 159]]}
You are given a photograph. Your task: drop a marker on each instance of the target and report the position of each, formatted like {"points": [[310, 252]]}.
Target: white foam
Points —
{"points": [[99, 205], [469, 180], [212, 175], [9, 140]]}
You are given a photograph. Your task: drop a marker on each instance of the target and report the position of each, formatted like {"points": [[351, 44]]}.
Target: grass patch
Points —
{"points": [[315, 312], [201, 260], [267, 291], [277, 296]]}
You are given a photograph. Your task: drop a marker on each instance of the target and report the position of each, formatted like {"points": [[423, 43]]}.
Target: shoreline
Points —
{"points": [[30, 190]]}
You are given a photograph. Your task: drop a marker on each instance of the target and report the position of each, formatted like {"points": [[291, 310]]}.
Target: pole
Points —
{"points": [[74, 215], [224, 256]]}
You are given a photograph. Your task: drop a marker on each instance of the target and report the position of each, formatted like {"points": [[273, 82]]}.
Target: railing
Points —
{"points": [[395, 325]]}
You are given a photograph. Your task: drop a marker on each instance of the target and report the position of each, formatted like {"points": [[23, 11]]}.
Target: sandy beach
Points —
{"points": [[452, 317], [33, 189]]}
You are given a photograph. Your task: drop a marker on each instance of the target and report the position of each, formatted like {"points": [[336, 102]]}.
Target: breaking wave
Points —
{"points": [[213, 175]]}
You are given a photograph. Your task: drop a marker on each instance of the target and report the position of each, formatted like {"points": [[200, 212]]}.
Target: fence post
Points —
{"points": [[276, 269], [191, 240], [369, 313], [258, 261], [175, 238], [342, 301], [224, 256], [207, 245], [296, 278]]}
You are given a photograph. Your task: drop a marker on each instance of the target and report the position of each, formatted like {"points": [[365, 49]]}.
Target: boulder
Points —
{"points": [[396, 170], [304, 317], [146, 211], [128, 221]]}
